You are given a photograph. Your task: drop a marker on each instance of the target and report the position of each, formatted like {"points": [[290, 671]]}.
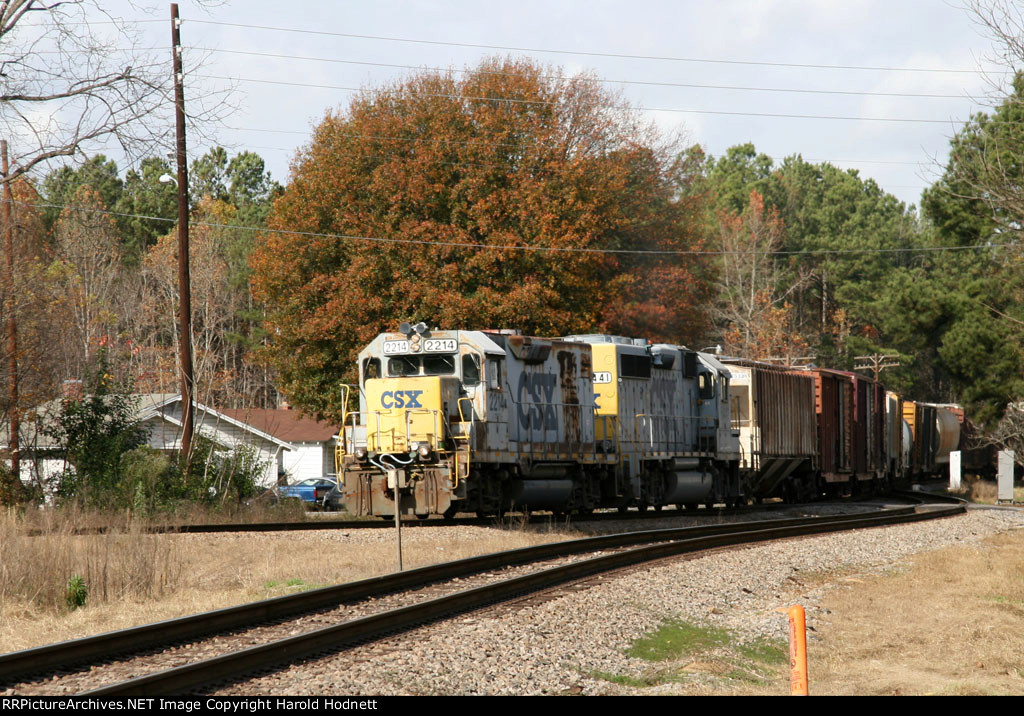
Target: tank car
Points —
{"points": [[933, 430]]}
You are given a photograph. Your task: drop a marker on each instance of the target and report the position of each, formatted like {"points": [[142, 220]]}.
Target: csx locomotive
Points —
{"points": [[488, 421]]}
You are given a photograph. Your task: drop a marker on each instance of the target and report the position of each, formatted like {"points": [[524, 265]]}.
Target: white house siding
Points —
{"points": [[165, 435], [308, 461], [40, 468]]}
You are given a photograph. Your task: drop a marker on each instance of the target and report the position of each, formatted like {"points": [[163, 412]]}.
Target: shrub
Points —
{"points": [[76, 592]]}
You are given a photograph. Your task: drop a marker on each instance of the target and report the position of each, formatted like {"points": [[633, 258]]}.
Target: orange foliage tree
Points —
{"points": [[506, 197]]}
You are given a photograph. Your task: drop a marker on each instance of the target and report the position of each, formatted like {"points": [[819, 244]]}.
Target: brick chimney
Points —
{"points": [[72, 389]]}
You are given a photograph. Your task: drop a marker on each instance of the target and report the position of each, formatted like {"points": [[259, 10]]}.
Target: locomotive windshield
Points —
{"points": [[400, 366]]}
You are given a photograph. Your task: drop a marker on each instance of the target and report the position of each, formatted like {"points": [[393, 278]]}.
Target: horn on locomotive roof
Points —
{"points": [[408, 329]]}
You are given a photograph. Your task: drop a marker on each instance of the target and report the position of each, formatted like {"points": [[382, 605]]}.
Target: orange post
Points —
{"points": [[797, 651]]}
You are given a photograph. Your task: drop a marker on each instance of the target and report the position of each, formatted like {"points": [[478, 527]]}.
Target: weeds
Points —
{"points": [[121, 562], [684, 651], [76, 592]]}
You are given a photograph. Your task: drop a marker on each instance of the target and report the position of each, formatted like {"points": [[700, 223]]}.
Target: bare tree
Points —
{"points": [[74, 78], [753, 311]]}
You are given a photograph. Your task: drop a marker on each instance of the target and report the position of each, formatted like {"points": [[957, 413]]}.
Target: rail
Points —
{"points": [[198, 675], [61, 656]]}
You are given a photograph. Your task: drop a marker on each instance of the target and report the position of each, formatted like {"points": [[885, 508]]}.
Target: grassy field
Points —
{"points": [[948, 624], [130, 577]]}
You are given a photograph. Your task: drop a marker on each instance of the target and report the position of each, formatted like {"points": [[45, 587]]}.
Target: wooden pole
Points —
{"points": [[12, 328], [184, 281]]}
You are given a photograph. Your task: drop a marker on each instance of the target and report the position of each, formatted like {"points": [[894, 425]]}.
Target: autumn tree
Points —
{"points": [[753, 307], [509, 196]]}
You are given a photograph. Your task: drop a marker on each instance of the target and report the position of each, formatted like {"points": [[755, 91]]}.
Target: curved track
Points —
{"points": [[659, 544]]}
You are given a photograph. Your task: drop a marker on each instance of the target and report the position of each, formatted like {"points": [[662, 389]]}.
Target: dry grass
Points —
{"points": [[123, 563], [135, 578], [987, 492], [951, 624]]}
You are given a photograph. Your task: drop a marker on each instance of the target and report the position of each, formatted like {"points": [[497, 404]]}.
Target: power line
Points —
{"points": [[513, 48], [809, 160], [508, 247], [647, 83], [510, 100]]}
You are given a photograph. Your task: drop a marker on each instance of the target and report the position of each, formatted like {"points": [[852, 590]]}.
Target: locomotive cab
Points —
{"points": [[422, 397]]}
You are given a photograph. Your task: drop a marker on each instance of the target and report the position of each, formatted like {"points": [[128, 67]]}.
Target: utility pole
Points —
{"points": [[12, 328], [876, 363], [184, 282]]}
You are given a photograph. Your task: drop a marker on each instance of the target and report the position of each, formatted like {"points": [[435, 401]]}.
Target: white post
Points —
{"points": [[954, 470], [1005, 491]]}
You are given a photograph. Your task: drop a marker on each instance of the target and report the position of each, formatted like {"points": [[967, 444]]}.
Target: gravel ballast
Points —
{"points": [[558, 644]]}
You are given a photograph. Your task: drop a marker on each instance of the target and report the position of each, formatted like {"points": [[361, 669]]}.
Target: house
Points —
{"points": [[161, 415], [313, 442]]}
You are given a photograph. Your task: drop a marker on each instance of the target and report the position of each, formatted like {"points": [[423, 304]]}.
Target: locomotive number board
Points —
{"points": [[431, 345]]}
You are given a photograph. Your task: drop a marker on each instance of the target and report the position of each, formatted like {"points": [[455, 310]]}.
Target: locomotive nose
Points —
{"points": [[405, 415]]}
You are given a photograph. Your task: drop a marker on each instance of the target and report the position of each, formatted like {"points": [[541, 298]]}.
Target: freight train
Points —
{"points": [[489, 421]]}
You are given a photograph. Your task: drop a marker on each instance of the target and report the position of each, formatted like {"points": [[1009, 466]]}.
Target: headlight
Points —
{"points": [[360, 453]]}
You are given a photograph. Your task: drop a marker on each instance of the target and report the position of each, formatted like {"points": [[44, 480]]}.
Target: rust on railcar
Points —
{"points": [[568, 376], [785, 413]]}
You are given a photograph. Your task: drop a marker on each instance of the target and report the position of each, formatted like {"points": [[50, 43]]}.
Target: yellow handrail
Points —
{"points": [[466, 437]]}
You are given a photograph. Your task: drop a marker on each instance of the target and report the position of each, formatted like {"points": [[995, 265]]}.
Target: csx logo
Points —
{"points": [[401, 399]]}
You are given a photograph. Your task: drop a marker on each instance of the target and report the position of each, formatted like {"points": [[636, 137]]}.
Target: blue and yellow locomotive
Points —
{"points": [[488, 421]]}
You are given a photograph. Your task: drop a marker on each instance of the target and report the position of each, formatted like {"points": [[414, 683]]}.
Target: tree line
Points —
{"points": [[516, 196]]}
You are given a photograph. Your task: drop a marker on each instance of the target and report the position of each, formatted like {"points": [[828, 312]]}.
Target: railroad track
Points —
{"points": [[467, 521], [548, 566]]}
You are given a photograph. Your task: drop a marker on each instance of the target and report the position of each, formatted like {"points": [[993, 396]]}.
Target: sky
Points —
{"points": [[289, 62]]}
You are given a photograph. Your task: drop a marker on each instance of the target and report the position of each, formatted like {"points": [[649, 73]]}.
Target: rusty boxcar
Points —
{"points": [[774, 410]]}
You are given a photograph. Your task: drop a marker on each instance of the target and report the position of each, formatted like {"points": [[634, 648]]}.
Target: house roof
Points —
{"points": [[150, 406], [289, 425]]}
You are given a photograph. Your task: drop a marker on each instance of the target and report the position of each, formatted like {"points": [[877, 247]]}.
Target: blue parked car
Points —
{"points": [[311, 491]]}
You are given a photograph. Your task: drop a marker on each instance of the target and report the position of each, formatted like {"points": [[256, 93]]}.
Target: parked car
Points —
{"points": [[311, 491], [333, 501]]}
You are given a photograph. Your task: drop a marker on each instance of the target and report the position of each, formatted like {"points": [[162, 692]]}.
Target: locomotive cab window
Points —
{"points": [[402, 366], [470, 370], [635, 366], [494, 373], [707, 386], [371, 368], [438, 365]]}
